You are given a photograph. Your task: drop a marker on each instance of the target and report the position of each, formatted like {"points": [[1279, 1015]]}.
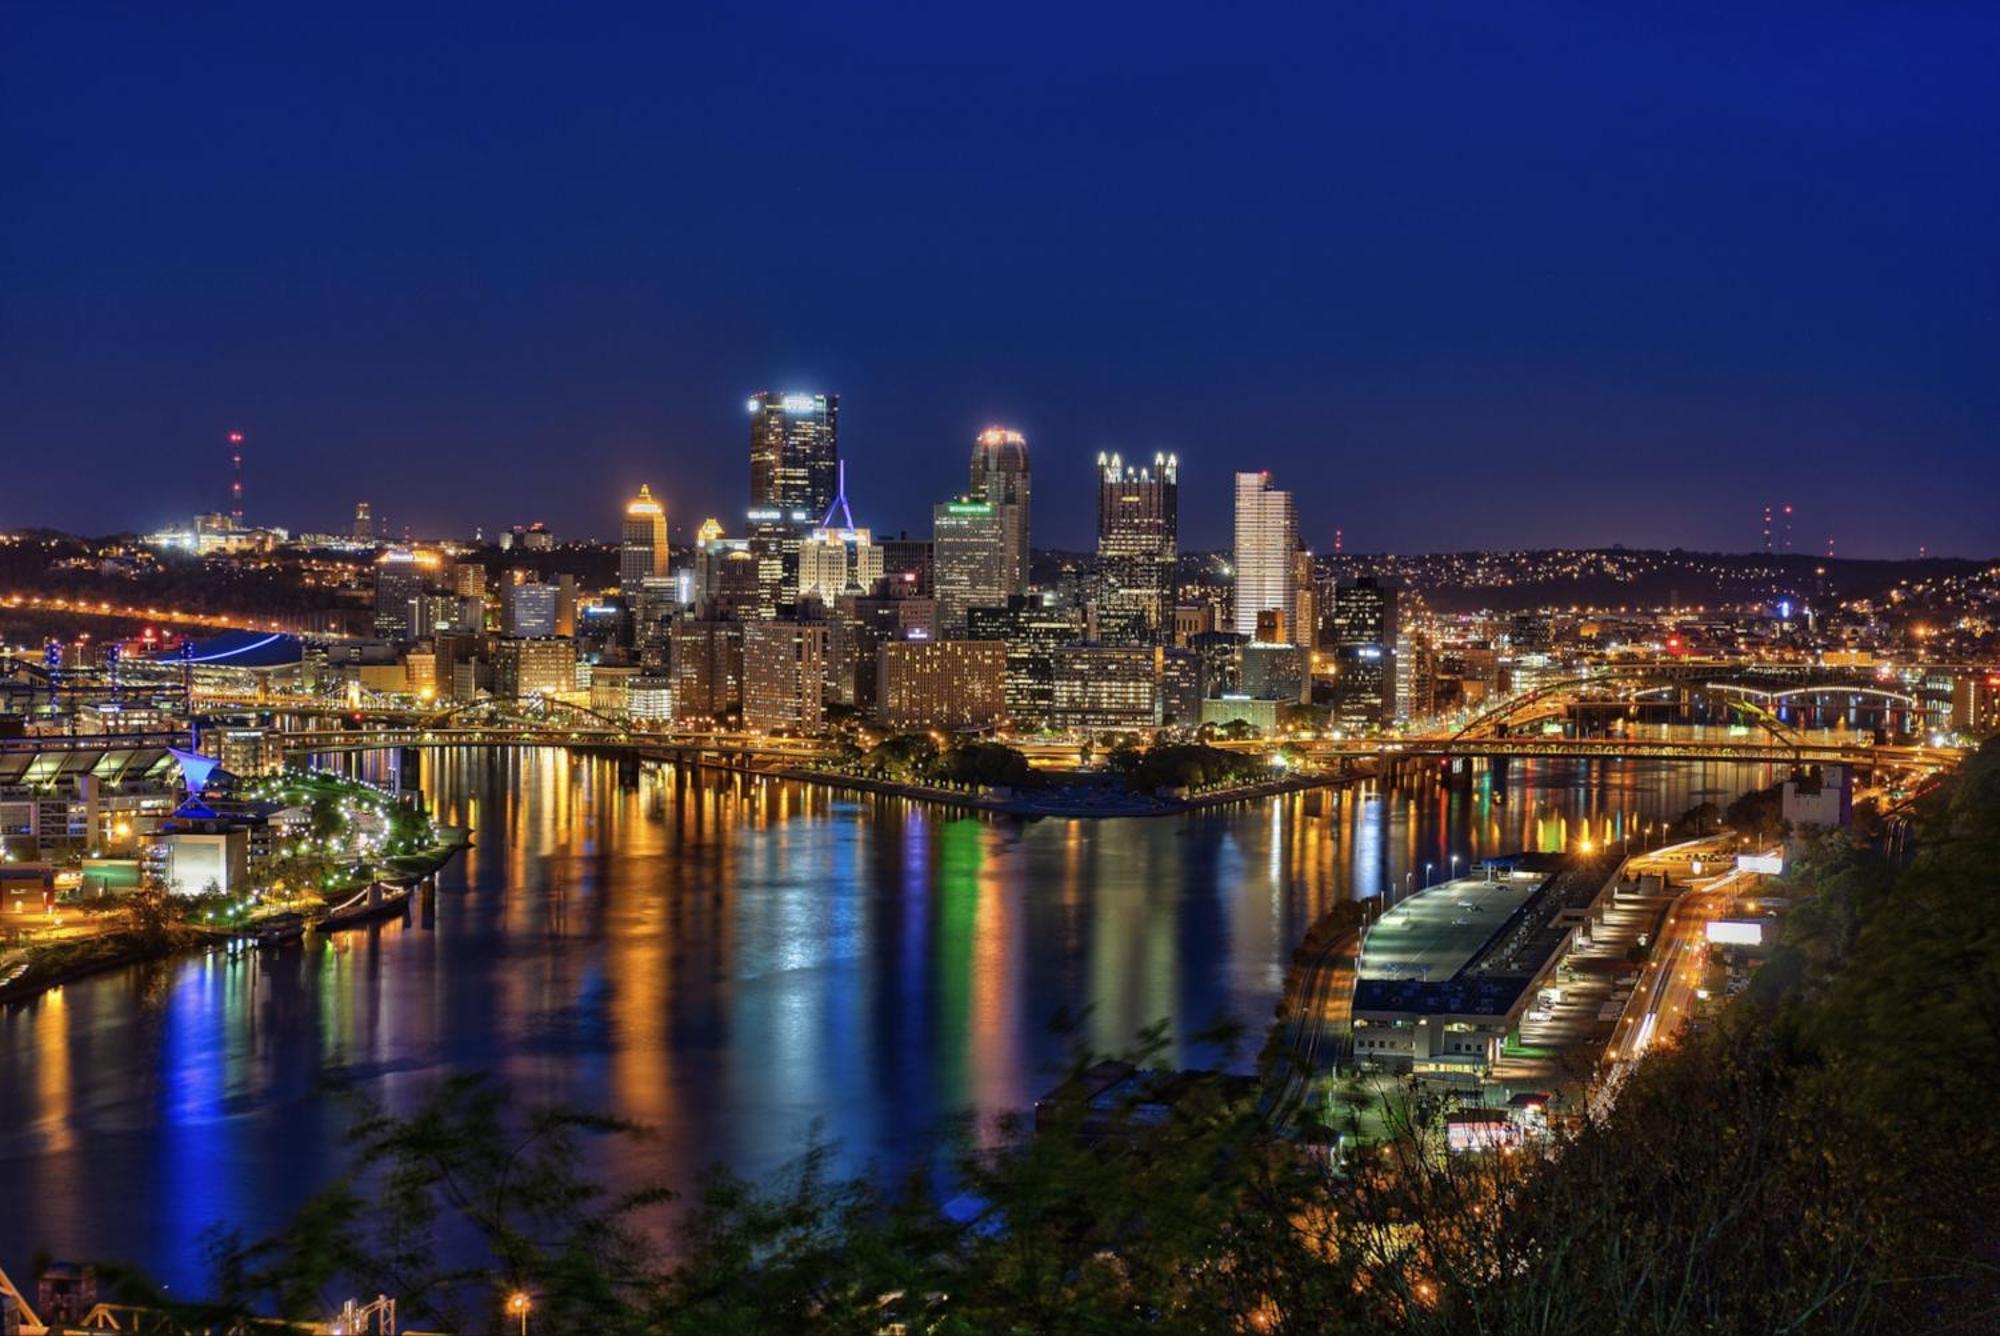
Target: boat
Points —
{"points": [[279, 929]]}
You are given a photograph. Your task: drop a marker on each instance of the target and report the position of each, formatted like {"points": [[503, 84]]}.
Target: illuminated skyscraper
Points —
{"points": [[643, 551], [1267, 534], [364, 522], [784, 674], [970, 559], [1362, 630], [794, 479], [1000, 478], [839, 556], [399, 582], [1138, 546], [794, 455]]}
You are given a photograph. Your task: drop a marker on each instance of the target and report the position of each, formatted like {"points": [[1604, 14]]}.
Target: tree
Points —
{"points": [[982, 763]]}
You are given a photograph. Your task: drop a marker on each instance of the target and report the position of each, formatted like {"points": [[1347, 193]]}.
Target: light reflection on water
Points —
{"points": [[726, 960]]}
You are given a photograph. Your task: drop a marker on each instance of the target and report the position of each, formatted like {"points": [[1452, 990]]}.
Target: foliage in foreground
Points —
{"points": [[1824, 1158]]}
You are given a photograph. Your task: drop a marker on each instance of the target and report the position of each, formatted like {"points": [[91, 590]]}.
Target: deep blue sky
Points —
{"points": [[1471, 275]]}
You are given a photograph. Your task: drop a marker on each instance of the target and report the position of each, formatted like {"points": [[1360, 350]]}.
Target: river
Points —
{"points": [[729, 961]]}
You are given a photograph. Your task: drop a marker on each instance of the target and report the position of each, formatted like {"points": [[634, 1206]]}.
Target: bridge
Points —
{"points": [[1751, 689], [539, 722], [647, 745], [1803, 748]]}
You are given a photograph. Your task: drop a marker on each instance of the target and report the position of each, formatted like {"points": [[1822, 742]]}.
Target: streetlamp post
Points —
{"points": [[1427, 875], [519, 1305], [1454, 867]]}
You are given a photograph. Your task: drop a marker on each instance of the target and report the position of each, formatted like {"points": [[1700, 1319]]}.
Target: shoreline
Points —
{"points": [[118, 950], [123, 948], [1132, 805]]}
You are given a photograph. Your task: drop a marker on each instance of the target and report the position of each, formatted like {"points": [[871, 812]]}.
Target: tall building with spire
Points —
{"points": [[839, 556], [1138, 546], [1267, 535], [642, 551], [1000, 478]]}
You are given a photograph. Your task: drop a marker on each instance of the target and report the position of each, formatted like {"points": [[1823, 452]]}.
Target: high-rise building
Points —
{"points": [[858, 627], [1363, 613], [794, 455], [533, 667], [1032, 630], [1138, 546], [794, 480], [1000, 478], [364, 522], [707, 670], [1105, 686], [528, 609], [1362, 628], [643, 550], [969, 559], [1267, 534], [784, 674], [908, 562], [942, 683], [399, 581], [839, 556], [1306, 607], [565, 604]]}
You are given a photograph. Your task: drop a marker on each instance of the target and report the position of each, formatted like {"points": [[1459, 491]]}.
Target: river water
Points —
{"points": [[733, 962]]}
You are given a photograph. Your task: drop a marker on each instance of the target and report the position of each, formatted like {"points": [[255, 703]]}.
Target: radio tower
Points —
{"points": [[236, 478]]}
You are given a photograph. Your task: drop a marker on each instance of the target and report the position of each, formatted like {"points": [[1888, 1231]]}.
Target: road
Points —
{"points": [[1665, 997]]}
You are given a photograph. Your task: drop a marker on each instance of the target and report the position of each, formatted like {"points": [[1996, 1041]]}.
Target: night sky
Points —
{"points": [[1463, 276]]}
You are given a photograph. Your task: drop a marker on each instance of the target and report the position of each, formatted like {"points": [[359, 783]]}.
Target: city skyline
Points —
{"points": [[969, 668], [1410, 260]]}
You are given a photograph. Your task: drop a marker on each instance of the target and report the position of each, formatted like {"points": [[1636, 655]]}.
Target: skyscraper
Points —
{"points": [[794, 455], [643, 551], [969, 559], [399, 581], [839, 555], [1000, 478], [1362, 629], [1267, 533], [794, 479], [1138, 546], [784, 674], [1032, 630]]}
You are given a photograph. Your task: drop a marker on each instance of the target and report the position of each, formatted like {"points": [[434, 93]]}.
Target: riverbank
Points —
{"points": [[1066, 801], [58, 963]]}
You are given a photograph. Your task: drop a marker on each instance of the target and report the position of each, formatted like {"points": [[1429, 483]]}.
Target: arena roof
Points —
{"points": [[250, 650]]}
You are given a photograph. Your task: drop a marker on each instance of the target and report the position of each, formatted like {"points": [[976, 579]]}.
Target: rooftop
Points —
{"points": [[1435, 934]]}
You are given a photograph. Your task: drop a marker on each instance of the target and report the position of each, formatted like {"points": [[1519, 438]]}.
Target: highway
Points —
{"points": [[1665, 997]]}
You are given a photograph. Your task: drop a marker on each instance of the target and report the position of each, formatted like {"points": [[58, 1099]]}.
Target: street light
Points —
{"points": [[1427, 875], [1454, 867], [519, 1305]]}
